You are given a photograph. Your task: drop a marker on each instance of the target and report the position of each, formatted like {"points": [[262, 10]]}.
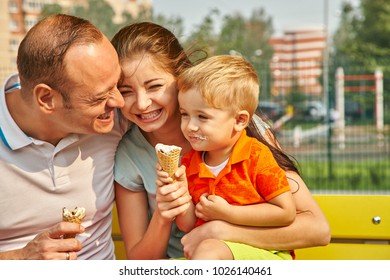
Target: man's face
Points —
{"points": [[93, 72]]}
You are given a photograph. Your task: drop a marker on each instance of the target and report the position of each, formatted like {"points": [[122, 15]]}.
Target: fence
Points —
{"points": [[361, 163]]}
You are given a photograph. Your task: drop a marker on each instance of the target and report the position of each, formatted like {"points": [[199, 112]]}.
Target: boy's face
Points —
{"points": [[206, 128]]}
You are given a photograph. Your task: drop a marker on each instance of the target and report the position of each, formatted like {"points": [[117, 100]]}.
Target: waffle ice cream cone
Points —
{"points": [[75, 216], [168, 157]]}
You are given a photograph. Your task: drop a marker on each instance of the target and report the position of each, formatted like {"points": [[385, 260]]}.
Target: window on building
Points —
{"points": [[13, 26], [33, 5], [30, 22], [14, 44], [12, 7]]}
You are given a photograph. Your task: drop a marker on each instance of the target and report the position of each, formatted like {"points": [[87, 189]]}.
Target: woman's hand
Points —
{"points": [[172, 196], [210, 230]]}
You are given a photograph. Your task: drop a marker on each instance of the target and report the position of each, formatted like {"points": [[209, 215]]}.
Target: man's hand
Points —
{"points": [[49, 245]]}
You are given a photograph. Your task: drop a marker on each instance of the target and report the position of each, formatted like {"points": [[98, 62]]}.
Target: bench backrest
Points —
{"points": [[360, 226]]}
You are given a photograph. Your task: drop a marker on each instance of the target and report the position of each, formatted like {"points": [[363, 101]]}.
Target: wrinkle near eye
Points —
{"points": [[97, 100]]}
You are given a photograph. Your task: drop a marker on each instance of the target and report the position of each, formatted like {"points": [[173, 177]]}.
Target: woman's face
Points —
{"points": [[150, 93]]}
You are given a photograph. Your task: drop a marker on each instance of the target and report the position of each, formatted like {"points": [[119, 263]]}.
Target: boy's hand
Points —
{"points": [[211, 207]]}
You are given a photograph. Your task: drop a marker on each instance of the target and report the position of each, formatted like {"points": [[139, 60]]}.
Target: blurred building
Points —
{"points": [[297, 62], [18, 16]]}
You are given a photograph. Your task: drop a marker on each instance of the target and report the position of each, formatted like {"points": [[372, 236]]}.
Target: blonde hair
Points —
{"points": [[224, 81]]}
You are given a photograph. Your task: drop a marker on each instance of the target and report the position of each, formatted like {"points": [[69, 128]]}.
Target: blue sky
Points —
{"points": [[285, 13]]}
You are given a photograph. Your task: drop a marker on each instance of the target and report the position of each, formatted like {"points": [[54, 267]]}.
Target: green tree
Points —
{"points": [[204, 36], [250, 38], [362, 43], [50, 9], [363, 37], [100, 13], [374, 30], [247, 36]]}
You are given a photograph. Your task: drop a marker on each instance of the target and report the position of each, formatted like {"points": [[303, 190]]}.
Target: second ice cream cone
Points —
{"points": [[75, 216]]}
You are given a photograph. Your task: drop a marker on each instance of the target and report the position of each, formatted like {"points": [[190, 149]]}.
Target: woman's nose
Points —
{"points": [[143, 101]]}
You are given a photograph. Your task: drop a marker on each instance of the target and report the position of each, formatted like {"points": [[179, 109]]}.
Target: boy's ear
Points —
{"points": [[242, 120], [46, 97]]}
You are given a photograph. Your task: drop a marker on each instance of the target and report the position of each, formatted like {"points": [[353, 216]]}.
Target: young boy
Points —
{"points": [[231, 177]]}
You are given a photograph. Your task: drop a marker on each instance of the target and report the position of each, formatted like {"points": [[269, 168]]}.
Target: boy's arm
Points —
{"points": [[279, 211]]}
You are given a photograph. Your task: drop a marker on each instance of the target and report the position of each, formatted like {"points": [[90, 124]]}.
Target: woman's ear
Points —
{"points": [[45, 97], [242, 120]]}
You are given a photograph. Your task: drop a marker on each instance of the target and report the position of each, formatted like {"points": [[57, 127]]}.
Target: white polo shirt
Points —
{"points": [[38, 179]]}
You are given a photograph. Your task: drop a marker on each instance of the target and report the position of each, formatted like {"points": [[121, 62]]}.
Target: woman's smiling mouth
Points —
{"points": [[149, 115]]}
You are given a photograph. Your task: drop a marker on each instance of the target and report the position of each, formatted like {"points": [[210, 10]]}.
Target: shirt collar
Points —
{"points": [[240, 152], [10, 134]]}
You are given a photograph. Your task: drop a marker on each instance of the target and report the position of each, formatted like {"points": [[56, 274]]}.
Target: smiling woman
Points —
{"points": [[151, 59]]}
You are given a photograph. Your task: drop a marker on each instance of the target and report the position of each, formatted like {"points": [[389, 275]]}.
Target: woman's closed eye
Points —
{"points": [[155, 87], [125, 90]]}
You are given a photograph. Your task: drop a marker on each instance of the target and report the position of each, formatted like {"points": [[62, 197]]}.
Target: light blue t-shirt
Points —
{"points": [[135, 163]]}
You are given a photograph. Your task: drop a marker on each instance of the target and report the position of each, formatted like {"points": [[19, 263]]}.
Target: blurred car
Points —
{"points": [[271, 110], [353, 110], [310, 111]]}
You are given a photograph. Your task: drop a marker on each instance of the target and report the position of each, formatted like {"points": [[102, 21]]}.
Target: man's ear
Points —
{"points": [[242, 120], [45, 97]]}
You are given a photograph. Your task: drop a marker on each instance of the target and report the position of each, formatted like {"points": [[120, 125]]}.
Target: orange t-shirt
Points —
{"points": [[251, 175]]}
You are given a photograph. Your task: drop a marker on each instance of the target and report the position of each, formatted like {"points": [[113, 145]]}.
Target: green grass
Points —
{"points": [[366, 176]]}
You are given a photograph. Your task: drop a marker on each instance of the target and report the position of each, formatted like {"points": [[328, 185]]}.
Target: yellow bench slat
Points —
{"points": [[350, 216], [336, 251]]}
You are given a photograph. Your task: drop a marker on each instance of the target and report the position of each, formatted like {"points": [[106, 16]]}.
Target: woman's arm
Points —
{"points": [[173, 198], [310, 227], [142, 239]]}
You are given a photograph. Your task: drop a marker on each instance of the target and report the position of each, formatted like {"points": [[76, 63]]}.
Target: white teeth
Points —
{"points": [[104, 116], [149, 115], [199, 137]]}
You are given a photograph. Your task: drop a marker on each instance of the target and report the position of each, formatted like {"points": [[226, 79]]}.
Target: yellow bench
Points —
{"points": [[360, 226], [120, 251]]}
